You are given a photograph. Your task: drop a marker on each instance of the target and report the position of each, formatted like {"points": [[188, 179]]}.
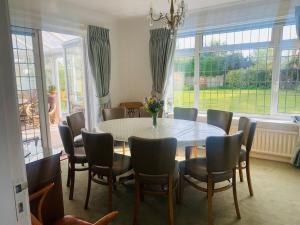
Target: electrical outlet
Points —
{"points": [[20, 192]]}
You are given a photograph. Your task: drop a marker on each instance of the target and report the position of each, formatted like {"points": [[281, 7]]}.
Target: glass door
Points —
{"points": [[29, 92], [64, 72], [75, 75]]}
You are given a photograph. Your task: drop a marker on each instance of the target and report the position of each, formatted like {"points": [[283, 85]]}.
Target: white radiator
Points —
{"points": [[274, 141]]}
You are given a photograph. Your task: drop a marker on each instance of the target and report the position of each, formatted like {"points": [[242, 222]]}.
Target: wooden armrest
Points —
{"points": [[43, 194], [34, 220], [107, 219]]}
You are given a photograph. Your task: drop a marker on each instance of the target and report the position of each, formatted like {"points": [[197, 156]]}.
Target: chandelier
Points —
{"points": [[171, 20]]}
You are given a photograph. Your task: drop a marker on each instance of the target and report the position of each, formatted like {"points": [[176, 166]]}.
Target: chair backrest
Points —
{"points": [[248, 127], [143, 113], [132, 108], [222, 153], [42, 194], [185, 113], [76, 122], [153, 156], [99, 148], [113, 113], [221, 119], [66, 138]]}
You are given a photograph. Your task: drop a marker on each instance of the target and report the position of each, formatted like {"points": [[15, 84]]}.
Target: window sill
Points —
{"points": [[283, 120]]}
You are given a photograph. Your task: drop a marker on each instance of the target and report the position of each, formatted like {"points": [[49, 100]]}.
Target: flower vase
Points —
{"points": [[154, 120]]}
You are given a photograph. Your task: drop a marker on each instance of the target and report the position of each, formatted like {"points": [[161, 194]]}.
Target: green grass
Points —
{"points": [[244, 101]]}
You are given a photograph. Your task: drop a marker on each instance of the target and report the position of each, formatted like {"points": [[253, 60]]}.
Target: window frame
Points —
{"points": [[277, 43]]}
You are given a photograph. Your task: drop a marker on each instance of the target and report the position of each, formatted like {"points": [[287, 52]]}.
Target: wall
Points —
{"points": [[134, 64]]}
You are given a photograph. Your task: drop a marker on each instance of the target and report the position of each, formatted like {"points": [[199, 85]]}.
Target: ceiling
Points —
{"points": [[116, 8]]}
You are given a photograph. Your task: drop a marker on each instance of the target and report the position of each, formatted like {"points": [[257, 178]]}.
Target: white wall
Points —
{"points": [[134, 77], [12, 165]]}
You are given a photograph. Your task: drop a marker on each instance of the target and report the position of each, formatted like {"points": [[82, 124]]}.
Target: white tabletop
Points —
{"points": [[186, 132]]}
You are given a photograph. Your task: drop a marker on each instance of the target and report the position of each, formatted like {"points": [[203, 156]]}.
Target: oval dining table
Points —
{"points": [[187, 133]]}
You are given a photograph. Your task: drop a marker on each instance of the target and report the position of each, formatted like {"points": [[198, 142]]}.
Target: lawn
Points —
{"points": [[247, 101]]}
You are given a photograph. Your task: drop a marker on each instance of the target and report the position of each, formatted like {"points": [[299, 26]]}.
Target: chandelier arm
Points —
{"points": [[161, 16]]}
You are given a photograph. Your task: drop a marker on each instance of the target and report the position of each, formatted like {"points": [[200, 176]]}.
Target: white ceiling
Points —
{"points": [[116, 8]]}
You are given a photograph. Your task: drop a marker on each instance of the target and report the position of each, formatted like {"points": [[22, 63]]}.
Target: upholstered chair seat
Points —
{"points": [[76, 122], [79, 155], [197, 168], [78, 142], [243, 155]]}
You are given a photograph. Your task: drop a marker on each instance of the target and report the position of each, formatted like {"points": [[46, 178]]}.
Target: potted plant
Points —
{"points": [[153, 105]]}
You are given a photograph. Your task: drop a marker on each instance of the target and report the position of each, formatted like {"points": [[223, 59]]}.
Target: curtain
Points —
{"points": [[161, 49], [100, 62], [296, 157], [297, 19]]}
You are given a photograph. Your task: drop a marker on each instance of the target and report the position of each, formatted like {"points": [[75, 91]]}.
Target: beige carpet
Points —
{"points": [[276, 200]]}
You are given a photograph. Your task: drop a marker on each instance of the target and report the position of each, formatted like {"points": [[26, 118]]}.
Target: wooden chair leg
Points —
{"points": [[124, 148], [137, 201], [110, 187], [72, 180], [141, 192], [236, 204], [209, 200], [115, 182], [69, 176], [178, 192], [170, 201], [88, 190], [181, 186], [241, 172], [249, 178]]}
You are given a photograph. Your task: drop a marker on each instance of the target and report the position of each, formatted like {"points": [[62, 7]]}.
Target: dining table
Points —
{"points": [[187, 133]]}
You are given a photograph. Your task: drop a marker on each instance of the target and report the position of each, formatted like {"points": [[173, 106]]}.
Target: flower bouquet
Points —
{"points": [[153, 105]]}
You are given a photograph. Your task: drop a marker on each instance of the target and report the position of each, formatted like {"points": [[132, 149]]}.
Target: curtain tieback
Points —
{"points": [[156, 94], [104, 100]]}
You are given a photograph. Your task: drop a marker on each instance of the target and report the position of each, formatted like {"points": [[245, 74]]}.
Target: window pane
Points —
{"points": [[238, 37], [183, 81], [289, 84], [289, 32], [238, 81], [185, 43]]}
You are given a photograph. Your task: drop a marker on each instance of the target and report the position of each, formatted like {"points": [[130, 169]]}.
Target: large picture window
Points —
{"points": [[240, 70]]}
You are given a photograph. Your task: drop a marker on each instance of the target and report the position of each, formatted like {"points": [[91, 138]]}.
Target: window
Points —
{"points": [[234, 70], [183, 81], [289, 82]]}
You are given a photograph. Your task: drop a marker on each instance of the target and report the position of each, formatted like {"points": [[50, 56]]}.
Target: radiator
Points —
{"points": [[273, 141]]}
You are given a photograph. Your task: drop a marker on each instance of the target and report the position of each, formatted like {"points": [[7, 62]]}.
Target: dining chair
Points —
{"points": [[153, 162], [76, 122], [185, 113], [219, 165], [114, 113], [191, 115], [41, 195], [248, 127], [103, 162], [76, 156], [143, 113], [132, 108], [221, 119]]}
